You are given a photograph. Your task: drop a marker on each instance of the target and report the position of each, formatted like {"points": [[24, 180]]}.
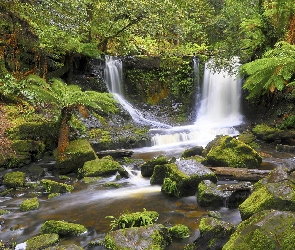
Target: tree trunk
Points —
{"points": [[63, 137], [291, 32]]}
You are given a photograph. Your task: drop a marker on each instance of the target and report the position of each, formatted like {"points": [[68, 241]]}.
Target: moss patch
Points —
{"points": [[62, 228], [14, 179], [29, 204], [56, 187], [42, 241]]}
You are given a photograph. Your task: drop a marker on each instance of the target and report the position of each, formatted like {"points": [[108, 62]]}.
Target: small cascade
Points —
{"points": [[114, 81]]}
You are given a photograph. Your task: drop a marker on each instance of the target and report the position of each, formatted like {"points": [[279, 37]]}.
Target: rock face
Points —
{"points": [[214, 234], [76, 154], [276, 191], [226, 151], [182, 177], [268, 229], [227, 195], [154, 236]]}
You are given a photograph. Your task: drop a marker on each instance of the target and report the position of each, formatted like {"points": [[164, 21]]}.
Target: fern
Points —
{"points": [[274, 71]]}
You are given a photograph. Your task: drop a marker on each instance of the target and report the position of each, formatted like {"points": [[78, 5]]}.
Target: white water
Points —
{"points": [[218, 109], [114, 80]]}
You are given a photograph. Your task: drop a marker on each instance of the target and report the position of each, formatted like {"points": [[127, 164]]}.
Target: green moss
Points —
{"points": [[36, 147], [179, 231], [147, 168], [170, 187], [259, 200], [91, 179], [56, 187], [29, 204], [228, 151], [52, 195], [14, 179], [2, 211], [112, 185], [100, 167], [42, 241], [62, 228], [267, 133], [77, 153]]}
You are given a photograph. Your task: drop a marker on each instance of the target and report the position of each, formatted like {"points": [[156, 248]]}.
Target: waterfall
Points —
{"points": [[114, 80], [218, 110]]}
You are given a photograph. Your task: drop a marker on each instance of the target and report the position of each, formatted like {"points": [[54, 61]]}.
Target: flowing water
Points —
{"points": [[89, 204]]}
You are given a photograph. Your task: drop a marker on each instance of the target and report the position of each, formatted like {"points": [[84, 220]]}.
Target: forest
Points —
{"points": [[44, 44]]}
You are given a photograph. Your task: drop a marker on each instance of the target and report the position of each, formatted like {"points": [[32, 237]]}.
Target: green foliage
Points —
{"points": [[14, 179], [62, 228], [288, 122], [171, 187], [273, 72], [29, 204], [56, 187], [2, 211]]}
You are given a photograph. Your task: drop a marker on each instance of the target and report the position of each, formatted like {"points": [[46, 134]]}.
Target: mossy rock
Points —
{"points": [[42, 241], [29, 204], [77, 153], [14, 179], [30, 146], [56, 187], [192, 151], [214, 233], [62, 228], [226, 151], [147, 168], [182, 177], [209, 195], [272, 192], [268, 229], [65, 247], [267, 133], [100, 167], [153, 237], [179, 231], [137, 219]]}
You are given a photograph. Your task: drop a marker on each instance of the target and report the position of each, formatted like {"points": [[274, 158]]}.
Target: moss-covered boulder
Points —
{"points": [[56, 187], [14, 179], [100, 167], [65, 247], [154, 236], [267, 133], [29, 204], [62, 228], [42, 241], [214, 233], [227, 195], [31, 148], [77, 153], [147, 168], [137, 219], [268, 229], [276, 191], [226, 151], [197, 150], [179, 231], [182, 177]]}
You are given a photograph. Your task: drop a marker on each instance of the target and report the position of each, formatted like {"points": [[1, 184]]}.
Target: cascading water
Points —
{"points": [[218, 112], [114, 80]]}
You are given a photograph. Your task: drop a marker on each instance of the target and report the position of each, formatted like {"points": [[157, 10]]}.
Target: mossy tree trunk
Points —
{"points": [[63, 137]]}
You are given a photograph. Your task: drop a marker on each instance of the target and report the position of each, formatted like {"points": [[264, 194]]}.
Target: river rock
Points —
{"points": [[76, 154], [119, 153], [227, 195], [214, 234], [276, 191], [147, 168], [154, 236], [197, 150], [182, 177], [226, 151], [268, 229]]}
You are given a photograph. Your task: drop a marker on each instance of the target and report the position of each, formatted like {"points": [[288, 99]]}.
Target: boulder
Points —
{"points": [[214, 234], [76, 154], [100, 167], [62, 228], [154, 236], [192, 151], [147, 168], [42, 241], [182, 177], [268, 229], [226, 151], [29, 204], [14, 179], [227, 195], [276, 191]]}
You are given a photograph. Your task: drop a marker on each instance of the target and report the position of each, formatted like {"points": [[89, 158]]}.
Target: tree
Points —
{"points": [[65, 99]]}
